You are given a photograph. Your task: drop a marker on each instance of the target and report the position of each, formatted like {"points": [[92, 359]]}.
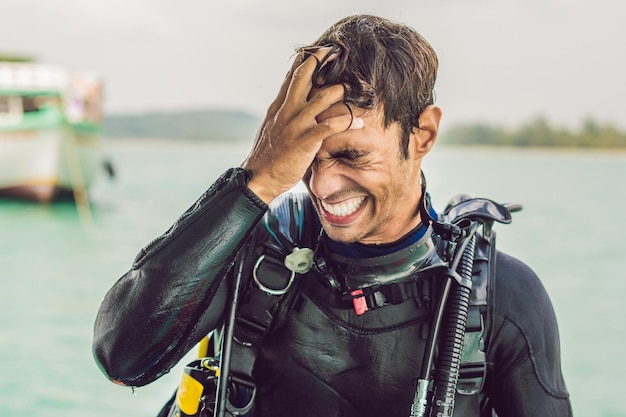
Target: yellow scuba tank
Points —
{"points": [[195, 396]]}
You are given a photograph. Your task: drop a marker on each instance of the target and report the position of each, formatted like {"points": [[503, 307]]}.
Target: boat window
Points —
{"points": [[4, 104], [29, 104], [33, 104], [10, 110]]}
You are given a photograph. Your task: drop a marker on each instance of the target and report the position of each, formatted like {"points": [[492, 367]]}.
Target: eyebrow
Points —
{"points": [[349, 154]]}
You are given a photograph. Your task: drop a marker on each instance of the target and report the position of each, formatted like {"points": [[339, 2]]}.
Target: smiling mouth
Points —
{"points": [[344, 208]]}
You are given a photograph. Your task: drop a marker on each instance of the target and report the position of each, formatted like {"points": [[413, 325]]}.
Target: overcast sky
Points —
{"points": [[501, 61]]}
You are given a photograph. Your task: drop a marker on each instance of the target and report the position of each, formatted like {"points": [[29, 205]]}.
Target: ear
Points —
{"points": [[424, 138]]}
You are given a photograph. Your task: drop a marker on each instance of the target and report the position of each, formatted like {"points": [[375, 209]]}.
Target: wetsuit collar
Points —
{"points": [[413, 258], [359, 266]]}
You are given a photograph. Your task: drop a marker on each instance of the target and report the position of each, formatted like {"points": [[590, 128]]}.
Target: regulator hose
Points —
{"points": [[446, 372]]}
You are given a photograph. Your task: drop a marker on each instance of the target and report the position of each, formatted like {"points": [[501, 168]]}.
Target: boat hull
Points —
{"points": [[46, 164]]}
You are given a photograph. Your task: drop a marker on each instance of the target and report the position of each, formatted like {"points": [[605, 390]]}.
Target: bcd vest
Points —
{"points": [[272, 287]]}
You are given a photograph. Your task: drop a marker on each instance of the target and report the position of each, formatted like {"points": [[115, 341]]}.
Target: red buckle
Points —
{"points": [[359, 301]]}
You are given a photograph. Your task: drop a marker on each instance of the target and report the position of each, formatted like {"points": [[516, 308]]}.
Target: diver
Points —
{"points": [[356, 298]]}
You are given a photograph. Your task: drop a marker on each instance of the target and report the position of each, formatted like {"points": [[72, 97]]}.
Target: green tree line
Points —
{"points": [[537, 133]]}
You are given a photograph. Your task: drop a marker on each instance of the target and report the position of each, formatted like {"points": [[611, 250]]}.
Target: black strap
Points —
{"points": [[257, 311]]}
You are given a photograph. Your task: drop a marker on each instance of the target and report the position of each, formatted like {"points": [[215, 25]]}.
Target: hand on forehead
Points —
{"points": [[323, 57], [341, 109]]}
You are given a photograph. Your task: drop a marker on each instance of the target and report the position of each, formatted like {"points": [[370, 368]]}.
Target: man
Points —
{"points": [[351, 327]]}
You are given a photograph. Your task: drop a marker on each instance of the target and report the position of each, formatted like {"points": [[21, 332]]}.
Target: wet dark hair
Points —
{"points": [[380, 63]]}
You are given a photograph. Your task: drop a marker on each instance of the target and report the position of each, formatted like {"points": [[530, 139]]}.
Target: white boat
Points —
{"points": [[50, 123]]}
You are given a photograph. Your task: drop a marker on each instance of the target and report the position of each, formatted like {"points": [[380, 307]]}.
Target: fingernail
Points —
{"points": [[357, 123]]}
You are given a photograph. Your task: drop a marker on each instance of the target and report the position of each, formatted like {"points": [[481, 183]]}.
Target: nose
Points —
{"points": [[325, 179]]}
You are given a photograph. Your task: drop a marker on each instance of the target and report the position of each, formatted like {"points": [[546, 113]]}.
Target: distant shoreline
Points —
{"points": [[538, 133], [231, 126], [531, 149], [173, 142]]}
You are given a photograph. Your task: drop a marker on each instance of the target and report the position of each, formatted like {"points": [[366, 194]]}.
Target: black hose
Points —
{"points": [[451, 347], [221, 399], [419, 407], [433, 334]]}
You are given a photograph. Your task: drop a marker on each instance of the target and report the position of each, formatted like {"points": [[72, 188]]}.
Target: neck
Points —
{"points": [[362, 250]]}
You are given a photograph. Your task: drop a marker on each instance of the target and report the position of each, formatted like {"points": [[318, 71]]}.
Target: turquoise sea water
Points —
{"points": [[55, 267]]}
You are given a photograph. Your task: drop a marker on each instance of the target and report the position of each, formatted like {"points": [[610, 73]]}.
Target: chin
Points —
{"points": [[341, 234]]}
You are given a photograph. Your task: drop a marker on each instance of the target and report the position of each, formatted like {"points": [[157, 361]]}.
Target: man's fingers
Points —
{"points": [[296, 88], [302, 68], [330, 126], [323, 115], [302, 81], [290, 101], [323, 100]]}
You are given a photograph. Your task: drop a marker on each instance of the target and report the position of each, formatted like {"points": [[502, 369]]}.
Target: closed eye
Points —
{"points": [[349, 155]]}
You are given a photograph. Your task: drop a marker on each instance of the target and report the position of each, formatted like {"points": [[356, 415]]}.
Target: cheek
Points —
{"points": [[381, 192], [391, 193]]}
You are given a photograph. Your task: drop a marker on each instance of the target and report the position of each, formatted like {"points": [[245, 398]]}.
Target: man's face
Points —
{"points": [[363, 189]]}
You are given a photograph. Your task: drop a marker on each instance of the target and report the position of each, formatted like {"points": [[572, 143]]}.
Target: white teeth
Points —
{"points": [[344, 208]]}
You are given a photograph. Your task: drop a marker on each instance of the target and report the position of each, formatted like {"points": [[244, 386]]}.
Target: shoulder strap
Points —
{"points": [[279, 261]]}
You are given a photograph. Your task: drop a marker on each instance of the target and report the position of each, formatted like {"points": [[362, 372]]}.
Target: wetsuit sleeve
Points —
{"points": [[173, 294], [524, 364]]}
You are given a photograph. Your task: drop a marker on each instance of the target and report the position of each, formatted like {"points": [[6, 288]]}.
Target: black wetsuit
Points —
{"points": [[322, 359]]}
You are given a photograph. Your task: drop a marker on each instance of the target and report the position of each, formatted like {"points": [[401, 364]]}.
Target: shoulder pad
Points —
{"points": [[290, 221]]}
